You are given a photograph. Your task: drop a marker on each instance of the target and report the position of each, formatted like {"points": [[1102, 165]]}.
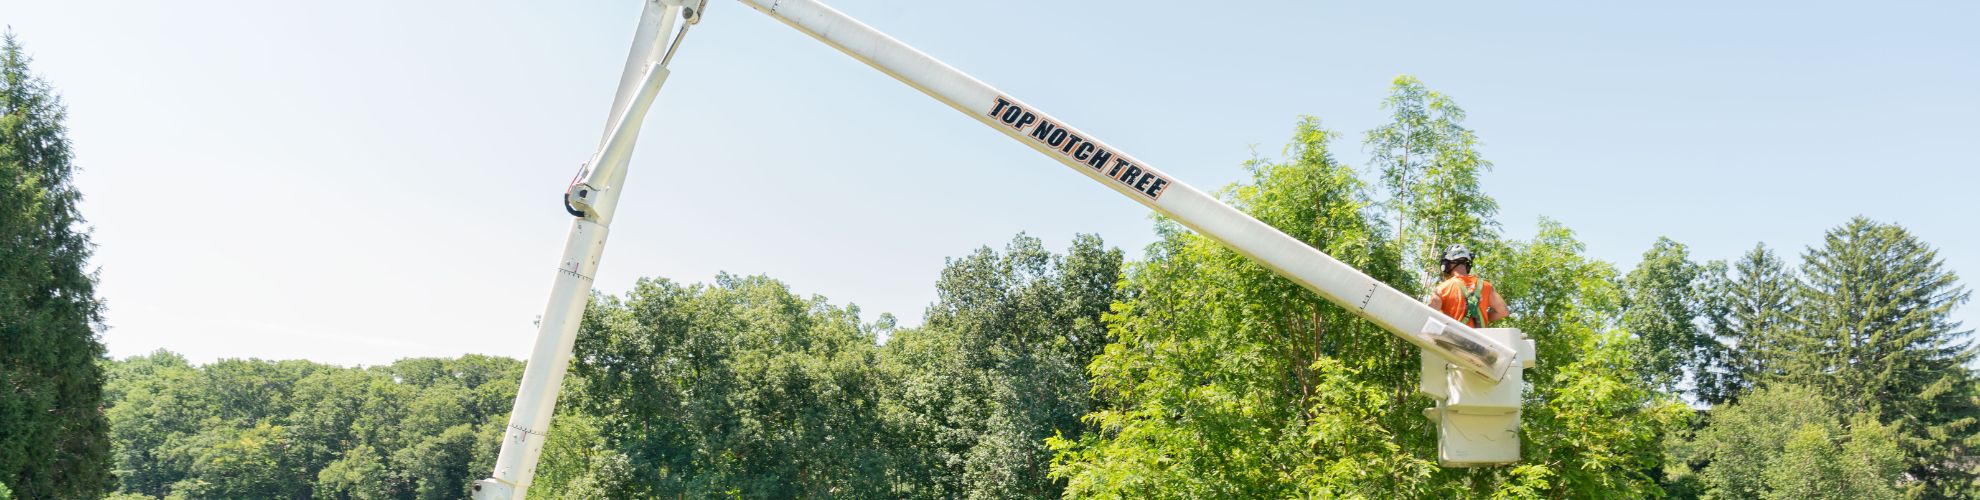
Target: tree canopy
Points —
{"points": [[1225, 380]]}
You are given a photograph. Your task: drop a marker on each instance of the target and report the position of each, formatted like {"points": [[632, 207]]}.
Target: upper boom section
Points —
{"points": [[1337, 282]]}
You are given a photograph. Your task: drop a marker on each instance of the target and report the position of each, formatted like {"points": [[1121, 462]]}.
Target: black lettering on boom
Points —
{"points": [[1072, 141], [1079, 149], [1100, 158], [1130, 175]]}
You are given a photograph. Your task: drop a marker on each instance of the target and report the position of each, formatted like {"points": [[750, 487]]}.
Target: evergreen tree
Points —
{"points": [[1876, 334], [1750, 313], [1712, 293], [53, 440]]}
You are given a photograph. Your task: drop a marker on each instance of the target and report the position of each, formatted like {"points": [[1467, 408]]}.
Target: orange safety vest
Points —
{"points": [[1464, 298]]}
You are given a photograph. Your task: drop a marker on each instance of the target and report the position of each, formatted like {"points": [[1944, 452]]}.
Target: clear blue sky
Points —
{"points": [[359, 181]]}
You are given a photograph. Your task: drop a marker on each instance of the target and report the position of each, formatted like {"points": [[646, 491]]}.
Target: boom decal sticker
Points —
{"points": [[1057, 138]]}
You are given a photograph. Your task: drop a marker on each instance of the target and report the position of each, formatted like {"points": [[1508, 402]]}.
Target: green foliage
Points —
{"points": [[571, 452], [743, 388], [936, 404], [1734, 450], [735, 388], [52, 431], [295, 429], [242, 463], [153, 399], [1876, 336], [359, 475], [1664, 297], [1805, 467], [1592, 428], [1751, 315], [1870, 460], [1863, 339], [999, 368], [1228, 381], [1022, 327], [1786, 441], [1429, 166]]}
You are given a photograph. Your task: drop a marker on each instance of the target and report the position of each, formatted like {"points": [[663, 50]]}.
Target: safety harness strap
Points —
{"points": [[1471, 303]]}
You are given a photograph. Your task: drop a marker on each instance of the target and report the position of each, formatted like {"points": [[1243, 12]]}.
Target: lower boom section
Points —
{"points": [[529, 424]]}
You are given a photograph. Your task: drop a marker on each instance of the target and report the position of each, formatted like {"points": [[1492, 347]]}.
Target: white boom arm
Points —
{"points": [[593, 199], [1413, 321], [1339, 283]]}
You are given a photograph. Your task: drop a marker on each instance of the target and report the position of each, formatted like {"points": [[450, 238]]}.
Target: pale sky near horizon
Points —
{"points": [[360, 181]]}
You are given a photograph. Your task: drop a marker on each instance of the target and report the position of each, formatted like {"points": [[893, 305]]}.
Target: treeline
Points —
{"points": [[1204, 375], [297, 429], [739, 387], [742, 388], [1842, 377]]}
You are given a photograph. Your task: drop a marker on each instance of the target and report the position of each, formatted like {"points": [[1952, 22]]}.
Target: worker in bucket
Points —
{"points": [[1463, 296]]}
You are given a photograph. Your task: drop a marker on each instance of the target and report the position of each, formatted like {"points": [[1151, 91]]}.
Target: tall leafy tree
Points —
{"points": [[1229, 381], [53, 440], [1591, 427], [154, 401], [1673, 348], [999, 367], [1428, 165], [736, 388], [1876, 335]]}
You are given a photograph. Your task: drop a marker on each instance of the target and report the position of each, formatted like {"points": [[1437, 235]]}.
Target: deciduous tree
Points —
{"points": [[1428, 165], [999, 367], [1664, 304]]}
